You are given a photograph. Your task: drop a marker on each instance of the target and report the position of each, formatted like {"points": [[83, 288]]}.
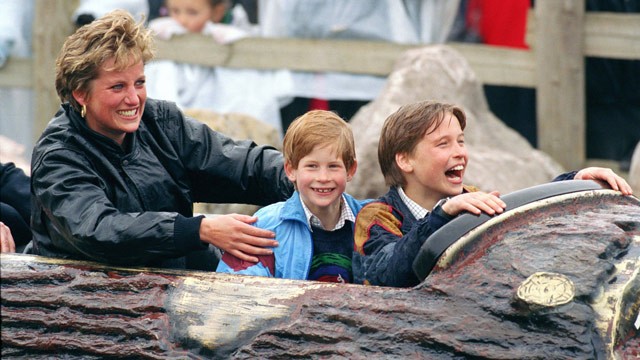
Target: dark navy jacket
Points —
{"points": [[388, 238], [15, 203]]}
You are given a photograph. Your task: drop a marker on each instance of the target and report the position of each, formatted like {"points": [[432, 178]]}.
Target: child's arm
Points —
{"points": [[233, 265], [265, 266], [384, 256], [164, 28]]}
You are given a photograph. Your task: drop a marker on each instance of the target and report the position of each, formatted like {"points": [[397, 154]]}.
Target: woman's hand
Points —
{"points": [[8, 245], [234, 234], [615, 181], [475, 203]]}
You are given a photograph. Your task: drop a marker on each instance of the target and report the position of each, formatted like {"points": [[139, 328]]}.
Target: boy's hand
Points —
{"points": [[615, 181], [476, 203]]}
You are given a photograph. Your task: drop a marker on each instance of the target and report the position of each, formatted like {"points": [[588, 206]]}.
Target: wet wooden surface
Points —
{"points": [[467, 309]]}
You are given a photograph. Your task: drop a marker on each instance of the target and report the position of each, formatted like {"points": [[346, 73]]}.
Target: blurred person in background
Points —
{"points": [[16, 104], [612, 101], [403, 22], [258, 93], [89, 10]]}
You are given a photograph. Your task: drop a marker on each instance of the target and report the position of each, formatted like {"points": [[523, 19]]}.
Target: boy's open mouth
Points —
{"points": [[455, 172]]}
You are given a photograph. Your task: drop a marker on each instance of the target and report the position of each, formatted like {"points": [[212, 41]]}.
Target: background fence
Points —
{"points": [[560, 35]]}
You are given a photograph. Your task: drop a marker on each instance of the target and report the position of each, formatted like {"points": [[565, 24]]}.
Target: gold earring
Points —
{"points": [[83, 111]]}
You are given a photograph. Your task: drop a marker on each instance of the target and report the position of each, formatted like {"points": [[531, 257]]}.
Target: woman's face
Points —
{"points": [[115, 100]]}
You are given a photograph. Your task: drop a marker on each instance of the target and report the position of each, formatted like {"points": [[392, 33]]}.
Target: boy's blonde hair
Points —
{"points": [[318, 128], [115, 35], [403, 130]]}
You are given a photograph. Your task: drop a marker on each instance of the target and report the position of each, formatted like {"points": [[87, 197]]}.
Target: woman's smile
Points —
{"points": [[115, 100]]}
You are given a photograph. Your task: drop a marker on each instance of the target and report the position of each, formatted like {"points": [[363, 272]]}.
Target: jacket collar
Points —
{"points": [[292, 208], [79, 123]]}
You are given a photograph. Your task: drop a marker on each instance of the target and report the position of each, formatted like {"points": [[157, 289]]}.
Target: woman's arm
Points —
{"points": [[76, 213]]}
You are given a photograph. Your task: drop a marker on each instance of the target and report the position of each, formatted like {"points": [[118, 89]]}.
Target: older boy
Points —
{"points": [[314, 227], [423, 159]]}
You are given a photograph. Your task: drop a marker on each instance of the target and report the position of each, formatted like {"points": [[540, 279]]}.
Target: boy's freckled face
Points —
{"points": [[436, 168], [321, 177], [191, 14]]}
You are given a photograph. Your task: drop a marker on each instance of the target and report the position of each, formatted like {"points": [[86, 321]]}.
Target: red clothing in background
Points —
{"points": [[500, 22]]}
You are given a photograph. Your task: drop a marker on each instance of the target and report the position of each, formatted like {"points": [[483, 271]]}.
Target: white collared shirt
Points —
{"points": [[345, 214], [418, 211]]}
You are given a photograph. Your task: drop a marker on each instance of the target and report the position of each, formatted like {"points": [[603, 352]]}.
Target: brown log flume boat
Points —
{"points": [[554, 277]]}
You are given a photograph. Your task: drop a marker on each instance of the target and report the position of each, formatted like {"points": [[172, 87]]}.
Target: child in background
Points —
{"points": [[423, 159], [197, 17], [226, 13], [257, 93], [314, 228]]}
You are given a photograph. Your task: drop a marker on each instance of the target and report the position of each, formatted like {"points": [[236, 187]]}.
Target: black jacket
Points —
{"points": [[388, 238], [15, 205], [92, 200]]}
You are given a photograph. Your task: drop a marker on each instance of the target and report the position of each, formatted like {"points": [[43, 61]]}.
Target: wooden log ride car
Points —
{"points": [[554, 277]]}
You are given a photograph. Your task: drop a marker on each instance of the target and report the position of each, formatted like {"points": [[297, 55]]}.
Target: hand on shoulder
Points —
{"points": [[235, 234]]}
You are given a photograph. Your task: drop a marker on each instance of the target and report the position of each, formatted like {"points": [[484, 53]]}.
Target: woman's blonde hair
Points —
{"points": [[319, 128], [115, 35]]}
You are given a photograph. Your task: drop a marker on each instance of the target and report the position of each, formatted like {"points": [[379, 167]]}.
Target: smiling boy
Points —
{"points": [[314, 228], [423, 158]]}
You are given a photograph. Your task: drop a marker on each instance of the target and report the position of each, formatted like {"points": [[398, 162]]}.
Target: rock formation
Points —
{"points": [[500, 158], [634, 171]]}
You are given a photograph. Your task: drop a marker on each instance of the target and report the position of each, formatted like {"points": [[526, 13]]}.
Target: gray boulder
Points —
{"points": [[634, 171], [499, 158]]}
